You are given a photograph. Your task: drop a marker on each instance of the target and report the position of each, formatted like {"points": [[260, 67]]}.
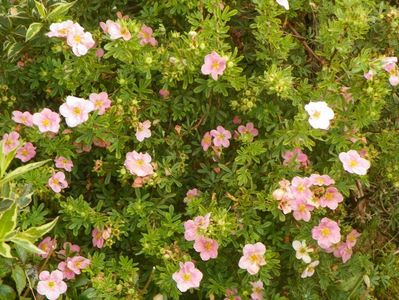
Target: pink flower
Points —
{"points": [[22, 118], [57, 182], [47, 120], [248, 129], [208, 248], [394, 79], [77, 263], [79, 40], [284, 196], [115, 30], [100, 52], [191, 194], [301, 209], [193, 229], [26, 152], [100, 101], [60, 29], [214, 65], [354, 163], [76, 110], [321, 180], [232, 294], [146, 37], [295, 155], [69, 248], [10, 141], [47, 245], [164, 93], [143, 130], [51, 285], [326, 233], [139, 164], [66, 272], [345, 252], [99, 236], [253, 258], [206, 141], [300, 188], [63, 163], [187, 277], [352, 237], [221, 137], [309, 270], [369, 75], [236, 120], [331, 198], [257, 290]]}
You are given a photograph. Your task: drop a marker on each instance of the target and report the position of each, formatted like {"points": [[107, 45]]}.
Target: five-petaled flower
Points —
{"points": [[319, 114], [253, 257], [139, 164], [354, 163], [213, 65], [51, 284], [187, 277]]}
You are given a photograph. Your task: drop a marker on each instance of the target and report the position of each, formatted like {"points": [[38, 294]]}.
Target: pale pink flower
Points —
{"points": [[326, 233], [236, 120], [253, 257], [284, 3], [394, 79], [115, 30], [284, 196], [63, 163], [24, 118], [60, 29], [221, 137], [206, 141], [334, 248], [139, 164], [389, 63], [208, 248], [100, 101], [321, 180], [164, 93], [213, 65], [66, 272], [369, 75], [345, 252], [352, 237], [319, 114], [302, 251], [146, 37], [79, 40], [193, 229], [100, 52], [47, 120], [232, 294], [354, 163], [47, 245], [143, 130], [300, 188], [51, 284], [77, 263], [310, 268], [57, 182], [10, 142], [295, 155], [99, 236], [257, 290], [301, 209], [26, 152], [76, 110], [248, 129], [187, 277], [191, 194], [69, 248], [331, 198]]}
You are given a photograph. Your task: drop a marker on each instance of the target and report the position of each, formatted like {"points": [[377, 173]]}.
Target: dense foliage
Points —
{"points": [[173, 149]]}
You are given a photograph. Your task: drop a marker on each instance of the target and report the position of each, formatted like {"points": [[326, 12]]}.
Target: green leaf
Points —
{"points": [[41, 9], [7, 292], [27, 245], [33, 29], [5, 250], [22, 170], [19, 277], [5, 204], [32, 234], [8, 221], [60, 10]]}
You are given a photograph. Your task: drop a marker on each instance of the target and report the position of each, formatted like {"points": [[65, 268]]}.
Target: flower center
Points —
{"points": [[186, 277], [99, 103], [221, 136], [208, 246], [215, 65], [329, 196], [325, 232], [77, 111], [24, 152], [46, 122], [62, 31], [140, 162], [77, 38], [353, 163], [316, 115], [254, 258], [302, 207], [51, 284], [55, 181]]}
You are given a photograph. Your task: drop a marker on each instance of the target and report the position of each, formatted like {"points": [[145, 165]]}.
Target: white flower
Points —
{"points": [[309, 270], [319, 114], [76, 110], [284, 3], [302, 251]]}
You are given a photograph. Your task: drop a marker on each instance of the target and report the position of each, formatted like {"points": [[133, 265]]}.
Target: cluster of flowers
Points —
{"points": [[52, 284], [296, 156], [79, 40], [257, 292], [389, 64], [100, 236]]}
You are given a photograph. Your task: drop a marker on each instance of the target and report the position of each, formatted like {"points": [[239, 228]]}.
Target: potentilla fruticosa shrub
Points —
{"points": [[199, 149]]}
